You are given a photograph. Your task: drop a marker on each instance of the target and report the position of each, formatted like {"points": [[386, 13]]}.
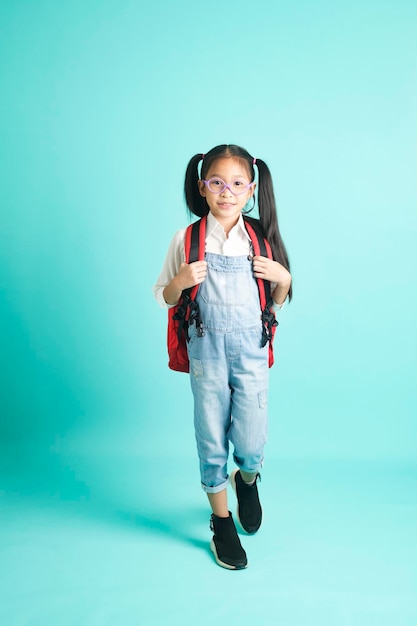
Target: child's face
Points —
{"points": [[226, 206]]}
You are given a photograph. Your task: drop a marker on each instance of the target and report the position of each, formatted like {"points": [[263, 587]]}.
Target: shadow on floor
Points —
{"points": [[109, 491]]}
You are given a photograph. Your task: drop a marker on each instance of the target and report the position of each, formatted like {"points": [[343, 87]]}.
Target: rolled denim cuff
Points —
{"points": [[217, 488]]}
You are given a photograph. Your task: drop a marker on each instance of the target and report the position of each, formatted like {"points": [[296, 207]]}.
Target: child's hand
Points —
{"points": [[271, 270], [188, 275], [191, 274]]}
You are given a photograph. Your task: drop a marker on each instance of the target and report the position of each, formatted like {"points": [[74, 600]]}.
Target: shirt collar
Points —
{"points": [[213, 224]]}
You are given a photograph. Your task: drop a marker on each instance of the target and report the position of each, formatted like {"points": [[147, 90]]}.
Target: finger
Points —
{"points": [[200, 273]]}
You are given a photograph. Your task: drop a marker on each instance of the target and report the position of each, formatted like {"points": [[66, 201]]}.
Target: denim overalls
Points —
{"points": [[228, 371]]}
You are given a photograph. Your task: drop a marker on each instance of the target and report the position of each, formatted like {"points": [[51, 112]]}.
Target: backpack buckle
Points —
{"points": [[268, 323], [194, 317]]}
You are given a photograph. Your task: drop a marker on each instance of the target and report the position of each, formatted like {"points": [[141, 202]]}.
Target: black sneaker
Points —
{"points": [[249, 510], [225, 544]]}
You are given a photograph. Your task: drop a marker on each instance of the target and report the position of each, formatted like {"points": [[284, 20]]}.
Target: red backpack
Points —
{"points": [[186, 312]]}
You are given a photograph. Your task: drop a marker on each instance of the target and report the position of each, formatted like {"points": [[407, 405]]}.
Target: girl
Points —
{"points": [[228, 366]]}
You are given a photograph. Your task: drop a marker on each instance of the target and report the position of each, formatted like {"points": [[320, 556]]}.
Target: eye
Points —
{"points": [[238, 183]]}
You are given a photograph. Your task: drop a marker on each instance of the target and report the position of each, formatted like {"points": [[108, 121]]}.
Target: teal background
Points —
{"points": [[103, 103]]}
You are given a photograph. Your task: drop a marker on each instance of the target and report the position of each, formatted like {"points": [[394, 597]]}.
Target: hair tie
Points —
{"points": [[254, 160], [202, 157]]}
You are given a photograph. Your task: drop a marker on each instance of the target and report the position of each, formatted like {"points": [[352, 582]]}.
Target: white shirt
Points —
{"points": [[238, 243]]}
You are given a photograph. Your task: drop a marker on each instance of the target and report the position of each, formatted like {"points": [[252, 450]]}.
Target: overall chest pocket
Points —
{"points": [[233, 289]]}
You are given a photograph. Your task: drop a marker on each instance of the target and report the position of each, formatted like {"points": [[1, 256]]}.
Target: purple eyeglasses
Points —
{"points": [[237, 187]]}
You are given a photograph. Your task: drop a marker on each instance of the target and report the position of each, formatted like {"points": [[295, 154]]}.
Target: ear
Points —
{"points": [[251, 190], [201, 188]]}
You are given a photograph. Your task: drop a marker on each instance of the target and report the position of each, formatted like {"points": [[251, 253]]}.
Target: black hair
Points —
{"points": [[268, 218]]}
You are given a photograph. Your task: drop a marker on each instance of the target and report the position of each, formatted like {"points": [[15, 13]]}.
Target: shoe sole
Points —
{"points": [[233, 483], [222, 563]]}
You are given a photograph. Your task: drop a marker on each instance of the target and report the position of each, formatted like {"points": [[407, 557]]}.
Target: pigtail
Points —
{"points": [[196, 203], [268, 216]]}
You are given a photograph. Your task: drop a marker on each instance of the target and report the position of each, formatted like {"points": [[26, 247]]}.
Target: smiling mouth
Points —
{"points": [[226, 204]]}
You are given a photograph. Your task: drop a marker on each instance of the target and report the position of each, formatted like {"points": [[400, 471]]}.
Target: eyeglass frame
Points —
{"points": [[226, 186]]}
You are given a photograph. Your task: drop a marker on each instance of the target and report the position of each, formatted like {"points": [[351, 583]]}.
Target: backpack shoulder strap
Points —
{"points": [[187, 310], [261, 247], [195, 246], [195, 240]]}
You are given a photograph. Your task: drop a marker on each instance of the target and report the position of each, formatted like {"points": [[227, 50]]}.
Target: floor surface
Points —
{"points": [[118, 542]]}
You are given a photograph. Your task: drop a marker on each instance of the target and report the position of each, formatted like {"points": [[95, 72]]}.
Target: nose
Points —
{"points": [[225, 190]]}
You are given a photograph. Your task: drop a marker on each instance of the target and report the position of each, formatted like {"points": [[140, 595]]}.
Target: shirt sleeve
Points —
{"points": [[175, 256], [276, 306], [279, 307]]}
